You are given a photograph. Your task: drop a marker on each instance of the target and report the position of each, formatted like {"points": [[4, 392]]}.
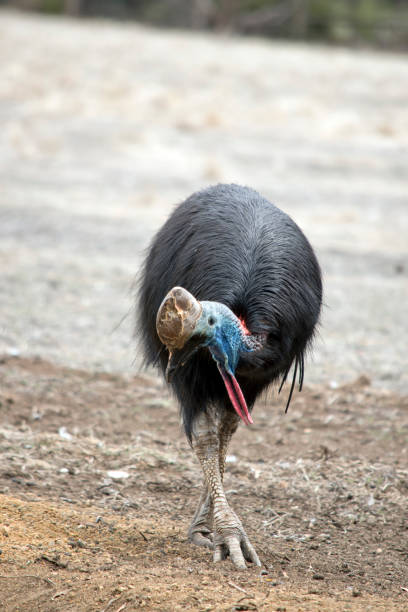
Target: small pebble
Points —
{"points": [[77, 543], [318, 577], [117, 474], [63, 433]]}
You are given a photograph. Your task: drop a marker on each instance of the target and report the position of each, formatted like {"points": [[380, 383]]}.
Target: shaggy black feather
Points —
{"points": [[230, 245]]}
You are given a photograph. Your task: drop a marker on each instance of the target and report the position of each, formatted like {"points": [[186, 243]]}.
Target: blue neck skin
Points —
{"points": [[225, 336]]}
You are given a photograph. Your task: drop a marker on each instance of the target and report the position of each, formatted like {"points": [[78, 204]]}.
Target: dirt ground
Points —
{"points": [[97, 487], [104, 127]]}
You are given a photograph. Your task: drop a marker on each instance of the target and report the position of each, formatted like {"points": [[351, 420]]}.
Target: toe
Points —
{"points": [[202, 539], [220, 552], [235, 552], [250, 553]]}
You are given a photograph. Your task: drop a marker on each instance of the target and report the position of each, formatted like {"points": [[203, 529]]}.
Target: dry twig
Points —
{"points": [[235, 586], [47, 580], [110, 602], [55, 561]]}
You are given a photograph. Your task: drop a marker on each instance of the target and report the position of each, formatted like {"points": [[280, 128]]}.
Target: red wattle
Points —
{"points": [[241, 399], [236, 396]]}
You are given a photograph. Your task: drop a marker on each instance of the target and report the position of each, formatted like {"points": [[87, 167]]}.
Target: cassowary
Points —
{"points": [[229, 299]]}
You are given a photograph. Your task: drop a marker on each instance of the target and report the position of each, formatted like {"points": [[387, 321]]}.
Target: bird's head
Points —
{"points": [[184, 325]]}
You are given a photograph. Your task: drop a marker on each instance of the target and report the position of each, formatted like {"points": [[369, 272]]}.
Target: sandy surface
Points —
{"points": [[106, 126]]}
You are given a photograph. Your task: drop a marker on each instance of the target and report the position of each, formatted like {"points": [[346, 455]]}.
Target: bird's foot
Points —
{"points": [[232, 541], [200, 531], [201, 536]]}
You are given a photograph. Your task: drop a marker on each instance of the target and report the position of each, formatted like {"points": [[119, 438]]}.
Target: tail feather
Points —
{"points": [[299, 363]]}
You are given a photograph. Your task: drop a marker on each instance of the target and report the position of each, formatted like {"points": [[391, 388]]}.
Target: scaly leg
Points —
{"points": [[201, 527], [210, 442], [226, 428], [200, 531]]}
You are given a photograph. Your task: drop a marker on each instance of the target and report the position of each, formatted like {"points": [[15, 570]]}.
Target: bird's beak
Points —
{"points": [[235, 394], [176, 321]]}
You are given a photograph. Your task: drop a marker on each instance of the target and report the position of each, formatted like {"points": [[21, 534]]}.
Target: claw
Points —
{"points": [[202, 538]]}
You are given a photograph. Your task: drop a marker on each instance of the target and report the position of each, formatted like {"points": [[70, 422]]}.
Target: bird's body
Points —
{"points": [[229, 246]]}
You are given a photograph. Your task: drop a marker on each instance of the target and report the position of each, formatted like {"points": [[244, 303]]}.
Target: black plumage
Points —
{"points": [[228, 244]]}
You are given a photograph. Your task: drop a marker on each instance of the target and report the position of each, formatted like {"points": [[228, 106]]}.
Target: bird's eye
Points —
{"points": [[211, 321]]}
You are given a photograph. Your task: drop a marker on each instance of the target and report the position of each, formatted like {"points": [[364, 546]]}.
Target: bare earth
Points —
{"points": [[104, 127], [323, 493]]}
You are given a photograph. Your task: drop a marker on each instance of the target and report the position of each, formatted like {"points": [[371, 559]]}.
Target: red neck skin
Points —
{"points": [[244, 326]]}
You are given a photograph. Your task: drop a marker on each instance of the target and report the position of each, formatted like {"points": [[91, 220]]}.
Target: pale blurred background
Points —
{"points": [[109, 118]]}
